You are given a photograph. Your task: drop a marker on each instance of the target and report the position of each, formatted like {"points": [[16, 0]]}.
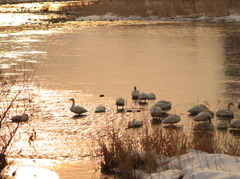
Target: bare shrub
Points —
{"points": [[14, 98]]}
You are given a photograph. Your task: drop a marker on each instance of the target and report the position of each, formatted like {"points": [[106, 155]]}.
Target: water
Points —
{"points": [[183, 62]]}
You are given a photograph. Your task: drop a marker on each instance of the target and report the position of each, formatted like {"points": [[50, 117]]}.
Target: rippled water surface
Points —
{"points": [[183, 62]]}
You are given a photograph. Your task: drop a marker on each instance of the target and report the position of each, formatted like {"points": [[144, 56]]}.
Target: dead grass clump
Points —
{"points": [[124, 152]]}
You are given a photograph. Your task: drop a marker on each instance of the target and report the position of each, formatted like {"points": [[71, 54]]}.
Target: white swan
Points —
{"points": [[222, 125], [77, 109], [203, 126], [235, 123], [100, 109], [172, 119], [120, 102], [204, 116], [20, 118], [226, 112], [151, 96], [197, 109], [135, 123], [164, 105], [143, 98], [135, 93], [156, 112]]}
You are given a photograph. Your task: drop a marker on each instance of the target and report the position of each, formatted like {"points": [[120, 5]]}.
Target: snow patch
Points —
{"points": [[111, 17], [200, 165]]}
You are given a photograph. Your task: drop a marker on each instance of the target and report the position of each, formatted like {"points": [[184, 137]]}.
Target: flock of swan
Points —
{"points": [[200, 113], [159, 113]]}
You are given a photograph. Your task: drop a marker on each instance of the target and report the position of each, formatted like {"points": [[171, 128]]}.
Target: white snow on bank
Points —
{"points": [[111, 17], [200, 165]]}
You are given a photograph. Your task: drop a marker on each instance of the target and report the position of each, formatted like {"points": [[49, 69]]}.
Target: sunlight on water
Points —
{"points": [[171, 60]]}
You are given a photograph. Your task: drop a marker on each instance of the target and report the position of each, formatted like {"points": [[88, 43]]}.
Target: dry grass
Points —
{"points": [[165, 8], [145, 149]]}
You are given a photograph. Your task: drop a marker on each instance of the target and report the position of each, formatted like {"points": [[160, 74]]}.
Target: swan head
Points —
{"points": [[72, 99], [230, 104]]}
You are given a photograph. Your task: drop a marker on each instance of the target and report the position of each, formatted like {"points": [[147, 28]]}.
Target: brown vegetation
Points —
{"points": [[124, 152], [165, 8], [14, 99]]}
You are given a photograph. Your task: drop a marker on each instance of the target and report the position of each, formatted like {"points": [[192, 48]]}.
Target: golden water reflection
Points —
{"points": [[170, 59]]}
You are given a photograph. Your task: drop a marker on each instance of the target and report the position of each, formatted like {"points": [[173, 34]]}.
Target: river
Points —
{"points": [[186, 63]]}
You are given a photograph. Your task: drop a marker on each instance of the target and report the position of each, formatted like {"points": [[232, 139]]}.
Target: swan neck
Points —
{"points": [[73, 103]]}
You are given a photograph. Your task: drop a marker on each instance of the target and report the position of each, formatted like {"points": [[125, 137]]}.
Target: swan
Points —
{"points": [[135, 123], [197, 109], [143, 98], [20, 118], [204, 116], [239, 103], [120, 102], [156, 112], [172, 119], [151, 96], [135, 93], [203, 126], [235, 123], [164, 105], [226, 112], [222, 125], [100, 109], [77, 109]]}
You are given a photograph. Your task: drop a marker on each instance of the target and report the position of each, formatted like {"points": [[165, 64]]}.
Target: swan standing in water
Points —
{"points": [[120, 102], [77, 109], [226, 112], [143, 98], [135, 93]]}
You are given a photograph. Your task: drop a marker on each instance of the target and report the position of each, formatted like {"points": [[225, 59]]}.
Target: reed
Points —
{"points": [[14, 99], [146, 149]]}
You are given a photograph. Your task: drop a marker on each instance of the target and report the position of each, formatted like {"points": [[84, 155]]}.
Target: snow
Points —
{"points": [[200, 165], [111, 17]]}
